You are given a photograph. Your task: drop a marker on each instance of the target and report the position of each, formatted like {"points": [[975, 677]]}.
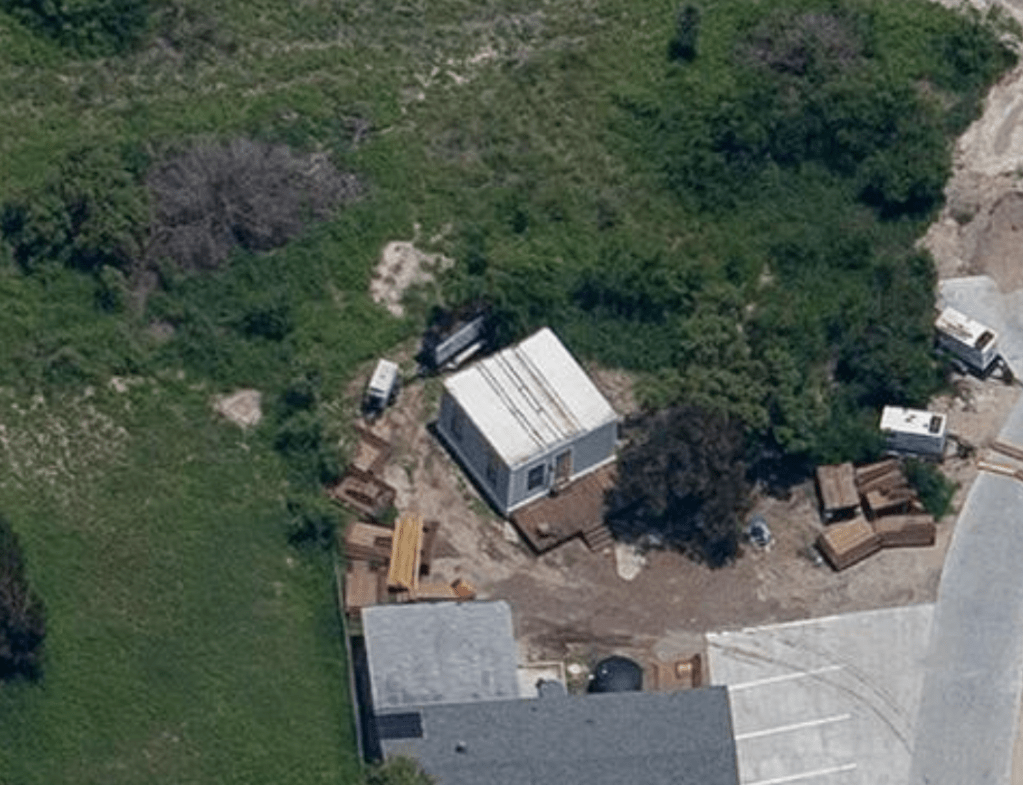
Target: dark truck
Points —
{"points": [[453, 338]]}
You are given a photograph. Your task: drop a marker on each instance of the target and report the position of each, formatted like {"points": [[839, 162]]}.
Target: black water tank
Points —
{"points": [[617, 674]]}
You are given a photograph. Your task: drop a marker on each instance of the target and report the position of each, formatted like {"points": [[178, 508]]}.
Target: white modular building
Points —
{"points": [[527, 420], [968, 339], [914, 431]]}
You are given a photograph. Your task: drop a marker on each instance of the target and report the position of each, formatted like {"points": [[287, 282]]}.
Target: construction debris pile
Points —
{"points": [[878, 509], [385, 563]]}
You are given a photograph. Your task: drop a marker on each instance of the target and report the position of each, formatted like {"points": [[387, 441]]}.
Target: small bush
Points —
{"points": [[934, 488], [22, 616]]}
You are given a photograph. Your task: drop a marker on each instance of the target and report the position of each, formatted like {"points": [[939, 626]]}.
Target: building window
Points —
{"points": [[456, 422], [492, 467], [535, 477]]}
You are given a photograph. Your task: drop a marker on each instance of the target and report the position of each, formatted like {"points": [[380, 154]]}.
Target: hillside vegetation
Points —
{"points": [[194, 196]]}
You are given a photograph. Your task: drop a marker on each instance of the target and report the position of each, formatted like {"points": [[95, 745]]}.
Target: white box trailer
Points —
{"points": [[969, 340], [382, 388], [914, 431]]}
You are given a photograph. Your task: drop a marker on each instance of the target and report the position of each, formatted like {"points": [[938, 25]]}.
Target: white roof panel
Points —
{"points": [[915, 421], [383, 377], [529, 398]]}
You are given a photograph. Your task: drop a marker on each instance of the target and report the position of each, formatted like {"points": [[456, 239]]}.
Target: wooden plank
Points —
{"points": [[837, 486], [845, 544], [406, 553]]}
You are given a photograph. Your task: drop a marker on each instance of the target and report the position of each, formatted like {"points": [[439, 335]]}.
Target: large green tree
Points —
{"points": [[92, 27], [22, 616], [684, 481]]}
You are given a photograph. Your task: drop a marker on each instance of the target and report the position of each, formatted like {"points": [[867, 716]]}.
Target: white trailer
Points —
{"points": [[914, 431], [382, 388], [969, 340]]}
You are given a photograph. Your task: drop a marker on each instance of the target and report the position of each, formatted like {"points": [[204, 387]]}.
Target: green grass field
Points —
{"points": [[188, 642]]}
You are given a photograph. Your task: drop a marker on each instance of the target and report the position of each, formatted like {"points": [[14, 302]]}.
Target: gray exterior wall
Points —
{"points": [[474, 452], [589, 450], [510, 490]]}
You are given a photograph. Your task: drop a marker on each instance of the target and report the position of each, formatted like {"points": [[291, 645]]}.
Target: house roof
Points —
{"points": [[447, 652], [681, 738], [529, 398], [914, 421]]}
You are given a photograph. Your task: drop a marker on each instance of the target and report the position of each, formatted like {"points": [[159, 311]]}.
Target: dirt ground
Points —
{"points": [[571, 604]]}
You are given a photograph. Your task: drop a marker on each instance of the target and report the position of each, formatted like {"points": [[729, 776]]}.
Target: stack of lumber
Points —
{"points": [[906, 531], [895, 518], [368, 542], [844, 544], [406, 554], [836, 486], [385, 565], [363, 492], [364, 586], [458, 590]]}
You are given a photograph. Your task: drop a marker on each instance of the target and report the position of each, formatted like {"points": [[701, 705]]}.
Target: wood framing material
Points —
{"points": [[845, 544], [406, 554], [836, 486]]}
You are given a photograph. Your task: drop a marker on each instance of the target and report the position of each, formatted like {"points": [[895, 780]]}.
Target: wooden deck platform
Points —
{"points": [[577, 510]]}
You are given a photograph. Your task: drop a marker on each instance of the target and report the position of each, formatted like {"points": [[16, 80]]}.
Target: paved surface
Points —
{"points": [[826, 701], [969, 709], [979, 296]]}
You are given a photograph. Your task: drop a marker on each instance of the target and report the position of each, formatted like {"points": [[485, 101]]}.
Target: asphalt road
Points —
{"points": [[966, 723]]}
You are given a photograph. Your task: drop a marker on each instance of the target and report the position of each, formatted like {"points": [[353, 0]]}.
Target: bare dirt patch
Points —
{"points": [[402, 265], [572, 605], [243, 407]]}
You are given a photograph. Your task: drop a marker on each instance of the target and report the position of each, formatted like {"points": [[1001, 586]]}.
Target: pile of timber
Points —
{"points": [[387, 565], [362, 487], [844, 544], [895, 518]]}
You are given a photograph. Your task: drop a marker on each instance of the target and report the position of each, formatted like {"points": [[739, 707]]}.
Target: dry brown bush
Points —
{"points": [[214, 197]]}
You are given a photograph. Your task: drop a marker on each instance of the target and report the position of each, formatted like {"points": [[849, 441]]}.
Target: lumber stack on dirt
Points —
{"points": [[368, 542], [845, 544], [403, 572], [906, 531], [836, 486]]}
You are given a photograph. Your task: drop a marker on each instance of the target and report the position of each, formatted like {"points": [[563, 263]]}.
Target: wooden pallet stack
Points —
{"points": [[894, 517], [387, 565]]}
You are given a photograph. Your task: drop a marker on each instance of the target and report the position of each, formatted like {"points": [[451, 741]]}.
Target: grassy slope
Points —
{"points": [[183, 648], [187, 644]]}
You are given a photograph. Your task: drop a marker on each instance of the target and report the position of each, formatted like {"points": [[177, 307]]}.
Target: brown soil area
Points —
{"points": [[571, 604]]}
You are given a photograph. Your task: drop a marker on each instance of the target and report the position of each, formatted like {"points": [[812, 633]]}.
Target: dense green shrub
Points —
{"points": [[91, 27], [90, 212], [22, 615], [934, 488]]}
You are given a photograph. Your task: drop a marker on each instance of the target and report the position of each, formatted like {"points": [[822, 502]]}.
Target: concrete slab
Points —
{"points": [[974, 675], [1012, 430], [979, 297], [828, 700]]}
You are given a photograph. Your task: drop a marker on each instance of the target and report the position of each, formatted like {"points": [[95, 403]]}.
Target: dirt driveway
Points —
{"points": [[571, 603]]}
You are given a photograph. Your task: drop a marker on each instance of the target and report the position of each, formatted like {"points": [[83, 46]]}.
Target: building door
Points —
{"points": [[563, 467]]}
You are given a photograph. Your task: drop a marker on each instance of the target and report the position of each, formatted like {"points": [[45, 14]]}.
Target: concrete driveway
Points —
{"points": [[968, 713], [827, 701]]}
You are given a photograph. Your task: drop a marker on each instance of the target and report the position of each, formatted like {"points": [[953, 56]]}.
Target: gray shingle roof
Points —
{"points": [[443, 652], [682, 738]]}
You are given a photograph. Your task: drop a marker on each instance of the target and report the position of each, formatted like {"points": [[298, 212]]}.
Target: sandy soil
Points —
{"points": [[242, 407], [402, 265]]}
